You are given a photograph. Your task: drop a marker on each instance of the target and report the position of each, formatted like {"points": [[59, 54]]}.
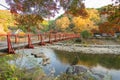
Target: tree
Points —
{"points": [[107, 28], [112, 24], [86, 23], [42, 9], [28, 22], [93, 15], [62, 23], [114, 18], [85, 34], [82, 24], [45, 25], [52, 25], [6, 19], [79, 23]]}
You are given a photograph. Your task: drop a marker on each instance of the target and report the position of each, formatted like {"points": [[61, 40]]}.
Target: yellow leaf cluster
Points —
{"points": [[88, 23], [12, 67], [2, 29], [44, 22], [63, 23], [82, 24], [6, 19], [93, 15]]}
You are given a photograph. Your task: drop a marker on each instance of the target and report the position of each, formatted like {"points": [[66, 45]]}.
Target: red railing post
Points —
{"points": [[50, 41], [38, 36], [29, 42], [16, 38], [66, 36], [62, 36], [59, 37], [70, 36], [55, 37], [10, 49], [41, 42]]}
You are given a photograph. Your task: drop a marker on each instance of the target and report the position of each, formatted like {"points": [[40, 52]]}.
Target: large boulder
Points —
{"points": [[86, 73]]}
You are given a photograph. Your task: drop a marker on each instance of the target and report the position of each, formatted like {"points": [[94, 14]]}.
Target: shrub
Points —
{"points": [[86, 34], [13, 71]]}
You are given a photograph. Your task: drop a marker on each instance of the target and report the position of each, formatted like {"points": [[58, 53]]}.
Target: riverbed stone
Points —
{"points": [[91, 49]]}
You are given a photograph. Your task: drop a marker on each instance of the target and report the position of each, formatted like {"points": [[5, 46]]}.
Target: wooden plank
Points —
{"points": [[22, 44]]}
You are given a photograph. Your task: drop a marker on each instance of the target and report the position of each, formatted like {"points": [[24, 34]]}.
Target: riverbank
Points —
{"points": [[88, 49]]}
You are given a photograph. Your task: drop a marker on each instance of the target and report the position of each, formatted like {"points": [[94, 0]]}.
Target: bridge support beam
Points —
{"points": [[10, 48], [16, 39], [55, 40], [41, 40], [62, 36], [29, 42], [59, 37], [50, 37], [38, 36]]}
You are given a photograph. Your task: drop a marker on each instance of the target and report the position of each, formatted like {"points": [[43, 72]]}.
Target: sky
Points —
{"points": [[96, 3], [3, 3], [88, 3]]}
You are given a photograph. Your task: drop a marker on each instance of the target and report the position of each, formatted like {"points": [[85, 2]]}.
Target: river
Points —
{"points": [[61, 60]]}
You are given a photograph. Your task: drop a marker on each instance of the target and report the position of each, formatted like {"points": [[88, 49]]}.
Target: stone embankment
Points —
{"points": [[83, 48]]}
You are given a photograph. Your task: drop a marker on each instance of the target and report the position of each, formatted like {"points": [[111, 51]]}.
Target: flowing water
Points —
{"points": [[61, 60]]}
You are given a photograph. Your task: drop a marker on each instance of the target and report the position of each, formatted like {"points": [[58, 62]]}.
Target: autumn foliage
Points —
{"points": [[112, 24], [28, 21], [107, 28], [6, 20], [62, 23], [29, 14], [88, 23]]}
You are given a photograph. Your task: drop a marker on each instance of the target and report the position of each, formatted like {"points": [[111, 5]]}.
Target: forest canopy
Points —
{"points": [[29, 15]]}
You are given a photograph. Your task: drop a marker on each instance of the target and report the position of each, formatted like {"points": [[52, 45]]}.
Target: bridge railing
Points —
{"points": [[11, 41]]}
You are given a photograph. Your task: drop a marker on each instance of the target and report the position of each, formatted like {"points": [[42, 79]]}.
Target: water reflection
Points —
{"points": [[99, 63], [90, 60]]}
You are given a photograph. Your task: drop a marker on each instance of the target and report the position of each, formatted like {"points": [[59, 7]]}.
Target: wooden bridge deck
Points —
{"points": [[18, 45]]}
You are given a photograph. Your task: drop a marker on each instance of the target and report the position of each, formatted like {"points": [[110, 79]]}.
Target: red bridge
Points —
{"points": [[11, 42]]}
